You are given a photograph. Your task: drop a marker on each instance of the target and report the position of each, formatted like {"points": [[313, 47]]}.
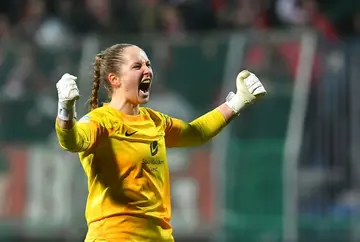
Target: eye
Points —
{"points": [[148, 64], [137, 66]]}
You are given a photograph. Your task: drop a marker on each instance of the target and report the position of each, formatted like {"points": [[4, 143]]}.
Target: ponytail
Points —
{"points": [[107, 61], [94, 99]]}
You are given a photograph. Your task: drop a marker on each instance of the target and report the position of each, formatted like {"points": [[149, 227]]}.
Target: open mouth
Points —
{"points": [[144, 86]]}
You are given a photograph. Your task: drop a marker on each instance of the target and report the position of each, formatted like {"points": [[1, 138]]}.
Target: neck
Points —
{"points": [[124, 106]]}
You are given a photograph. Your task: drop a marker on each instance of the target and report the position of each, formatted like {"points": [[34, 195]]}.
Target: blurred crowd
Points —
{"points": [[34, 33], [46, 19], [29, 17]]}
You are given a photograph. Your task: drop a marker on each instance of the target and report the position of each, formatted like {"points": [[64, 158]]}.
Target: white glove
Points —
{"points": [[249, 88], [68, 93]]}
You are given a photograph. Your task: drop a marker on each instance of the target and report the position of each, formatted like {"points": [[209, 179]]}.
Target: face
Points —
{"points": [[135, 76]]}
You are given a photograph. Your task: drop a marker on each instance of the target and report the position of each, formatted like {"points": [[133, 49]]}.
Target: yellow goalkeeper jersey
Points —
{"points": [[124, 158]]}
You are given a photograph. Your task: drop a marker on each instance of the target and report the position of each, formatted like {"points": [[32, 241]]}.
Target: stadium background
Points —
{"points": [[286, 170]]}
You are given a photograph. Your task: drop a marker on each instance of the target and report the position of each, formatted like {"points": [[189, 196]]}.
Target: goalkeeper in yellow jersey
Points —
{"points": [[122, 146]]}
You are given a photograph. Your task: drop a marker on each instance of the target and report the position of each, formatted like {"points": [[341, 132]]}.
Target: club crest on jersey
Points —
{"points": [[154, 148]]}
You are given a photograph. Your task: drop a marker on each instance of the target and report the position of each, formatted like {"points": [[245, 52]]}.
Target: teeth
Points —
{"points": [[146, 81]]}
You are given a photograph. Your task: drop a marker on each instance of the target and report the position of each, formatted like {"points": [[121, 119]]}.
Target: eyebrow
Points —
{"points": [[140, 62]]}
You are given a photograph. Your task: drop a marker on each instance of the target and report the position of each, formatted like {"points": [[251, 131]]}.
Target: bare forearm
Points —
{"points": [[227, 112]]}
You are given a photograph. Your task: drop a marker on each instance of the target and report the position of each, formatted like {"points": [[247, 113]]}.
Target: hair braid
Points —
{"points": [[94, 99]]}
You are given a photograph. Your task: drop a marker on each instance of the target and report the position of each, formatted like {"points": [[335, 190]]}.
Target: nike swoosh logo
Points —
{"points": [[129, 134]]}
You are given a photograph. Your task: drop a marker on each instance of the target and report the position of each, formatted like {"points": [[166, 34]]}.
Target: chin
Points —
{"points": [[143, 98]]}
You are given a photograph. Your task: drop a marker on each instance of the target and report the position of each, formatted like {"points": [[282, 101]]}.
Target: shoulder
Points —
{"points": [[156, 116], [153, 113]]}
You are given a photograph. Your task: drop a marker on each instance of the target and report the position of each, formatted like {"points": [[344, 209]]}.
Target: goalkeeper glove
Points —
{"points": [[68, 93], [249, 88]]}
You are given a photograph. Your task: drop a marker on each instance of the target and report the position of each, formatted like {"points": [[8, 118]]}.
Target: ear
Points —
{"points": [[114, 80]]}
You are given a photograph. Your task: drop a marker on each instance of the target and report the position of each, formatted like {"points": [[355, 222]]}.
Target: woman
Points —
{"points": [[122, 146]]}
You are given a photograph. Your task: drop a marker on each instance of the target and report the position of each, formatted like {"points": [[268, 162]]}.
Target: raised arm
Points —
{"points": [[181, 134], [73, 136]]}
